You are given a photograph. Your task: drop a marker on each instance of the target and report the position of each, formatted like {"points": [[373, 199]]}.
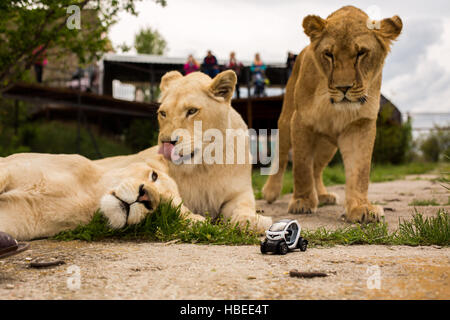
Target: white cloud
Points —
{"points": [[417, 74]]}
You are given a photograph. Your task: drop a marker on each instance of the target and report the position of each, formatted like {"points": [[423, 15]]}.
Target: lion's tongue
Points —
{"points": [[166, 150]]}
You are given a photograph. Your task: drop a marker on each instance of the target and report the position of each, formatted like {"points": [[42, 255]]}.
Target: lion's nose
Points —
{"points": [[344, 89], [147, 198]]}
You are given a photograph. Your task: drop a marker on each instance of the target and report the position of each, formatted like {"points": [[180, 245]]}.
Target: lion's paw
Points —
{"points": [[194, 217], [271, 191], [365, 214], [263, 223], [328, 199], [299, 206], [129, 203], [255, 222]]}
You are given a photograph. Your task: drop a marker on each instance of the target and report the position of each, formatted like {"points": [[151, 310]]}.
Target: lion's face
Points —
{"points": [[136, 197], [191, 105], [350, 51]]}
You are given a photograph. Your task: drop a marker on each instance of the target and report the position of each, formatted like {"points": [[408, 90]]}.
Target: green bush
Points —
{"points": [[57, 137], [10, 116], [436, 146], [142, 134], [393, 141]]}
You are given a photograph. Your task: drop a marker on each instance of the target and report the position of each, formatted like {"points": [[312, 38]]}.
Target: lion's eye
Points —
{"points": [[154, 176], [328, 54], [361, 53], [162, 114], [191, 111]]}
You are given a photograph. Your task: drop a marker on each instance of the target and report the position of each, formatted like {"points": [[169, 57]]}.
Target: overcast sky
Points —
{"points": [[416, 74]]}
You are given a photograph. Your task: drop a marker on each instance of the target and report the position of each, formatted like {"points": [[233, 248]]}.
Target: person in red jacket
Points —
{"points": [[236, 66], [191, 65], [40, 62]]}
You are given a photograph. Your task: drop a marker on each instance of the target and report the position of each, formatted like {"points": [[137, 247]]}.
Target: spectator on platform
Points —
{"points": [[236, 66], [258, 70], [191, 65], [210, 65], [290, 63], [40, 62]]}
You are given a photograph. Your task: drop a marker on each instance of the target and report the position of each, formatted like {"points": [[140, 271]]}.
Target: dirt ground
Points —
{"points": [[130, 270]]}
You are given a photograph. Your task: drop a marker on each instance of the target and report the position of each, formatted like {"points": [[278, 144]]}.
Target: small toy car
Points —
{"points": [[283, 236]]}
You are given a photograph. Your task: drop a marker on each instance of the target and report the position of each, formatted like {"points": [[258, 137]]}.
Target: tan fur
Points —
{"points": [[209, 188], [42, 194], [344, 54]]}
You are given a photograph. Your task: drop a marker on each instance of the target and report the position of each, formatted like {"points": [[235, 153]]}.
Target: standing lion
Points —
{"points": [[332, 101]]}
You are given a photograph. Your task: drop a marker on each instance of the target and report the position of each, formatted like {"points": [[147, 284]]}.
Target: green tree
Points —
{"points": [[150, 41], [436, 145], [393, 140], [26, 25]]}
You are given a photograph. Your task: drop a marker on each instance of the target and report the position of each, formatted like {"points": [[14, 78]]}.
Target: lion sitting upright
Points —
{"points": [[199, 106], [332, 101]]}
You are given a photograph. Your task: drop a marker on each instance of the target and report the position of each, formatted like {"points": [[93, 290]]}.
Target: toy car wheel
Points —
{"points": [[264, 247], [302, 244], [283, 248]]}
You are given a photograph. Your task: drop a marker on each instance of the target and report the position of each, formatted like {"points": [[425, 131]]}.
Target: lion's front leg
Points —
{"points": [[323, 154], [356, 146], [305, 198], [242, 210]]}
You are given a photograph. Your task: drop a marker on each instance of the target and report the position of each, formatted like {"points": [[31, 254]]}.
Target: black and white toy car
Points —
{"points": [[283, 236]]}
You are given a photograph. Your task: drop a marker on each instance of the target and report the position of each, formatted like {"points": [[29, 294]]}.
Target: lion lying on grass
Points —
{"points": [[332, 100], [42, 195]]}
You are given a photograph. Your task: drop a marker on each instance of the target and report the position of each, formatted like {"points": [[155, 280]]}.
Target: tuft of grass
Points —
{"points": [[375, 233], [419, 230], [425, 231], [165, 224], [424, 203]]}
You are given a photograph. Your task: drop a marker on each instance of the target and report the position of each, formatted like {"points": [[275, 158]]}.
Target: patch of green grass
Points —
{"points": [[165, 224], [336, 175], [425, 231], [417, 231], [331, 176], [375, 233], [387, 172], [424, 203]]}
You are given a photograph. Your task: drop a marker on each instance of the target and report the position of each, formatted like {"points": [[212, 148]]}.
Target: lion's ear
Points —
{"points": [[313, 26], [390, 28], [168, 78], [223, 85]]}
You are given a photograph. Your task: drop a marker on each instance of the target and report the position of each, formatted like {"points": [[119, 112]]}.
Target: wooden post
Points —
{"points": [[248, 83], [16, 117], [249, 113], [152, 82], [107, 79]]}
